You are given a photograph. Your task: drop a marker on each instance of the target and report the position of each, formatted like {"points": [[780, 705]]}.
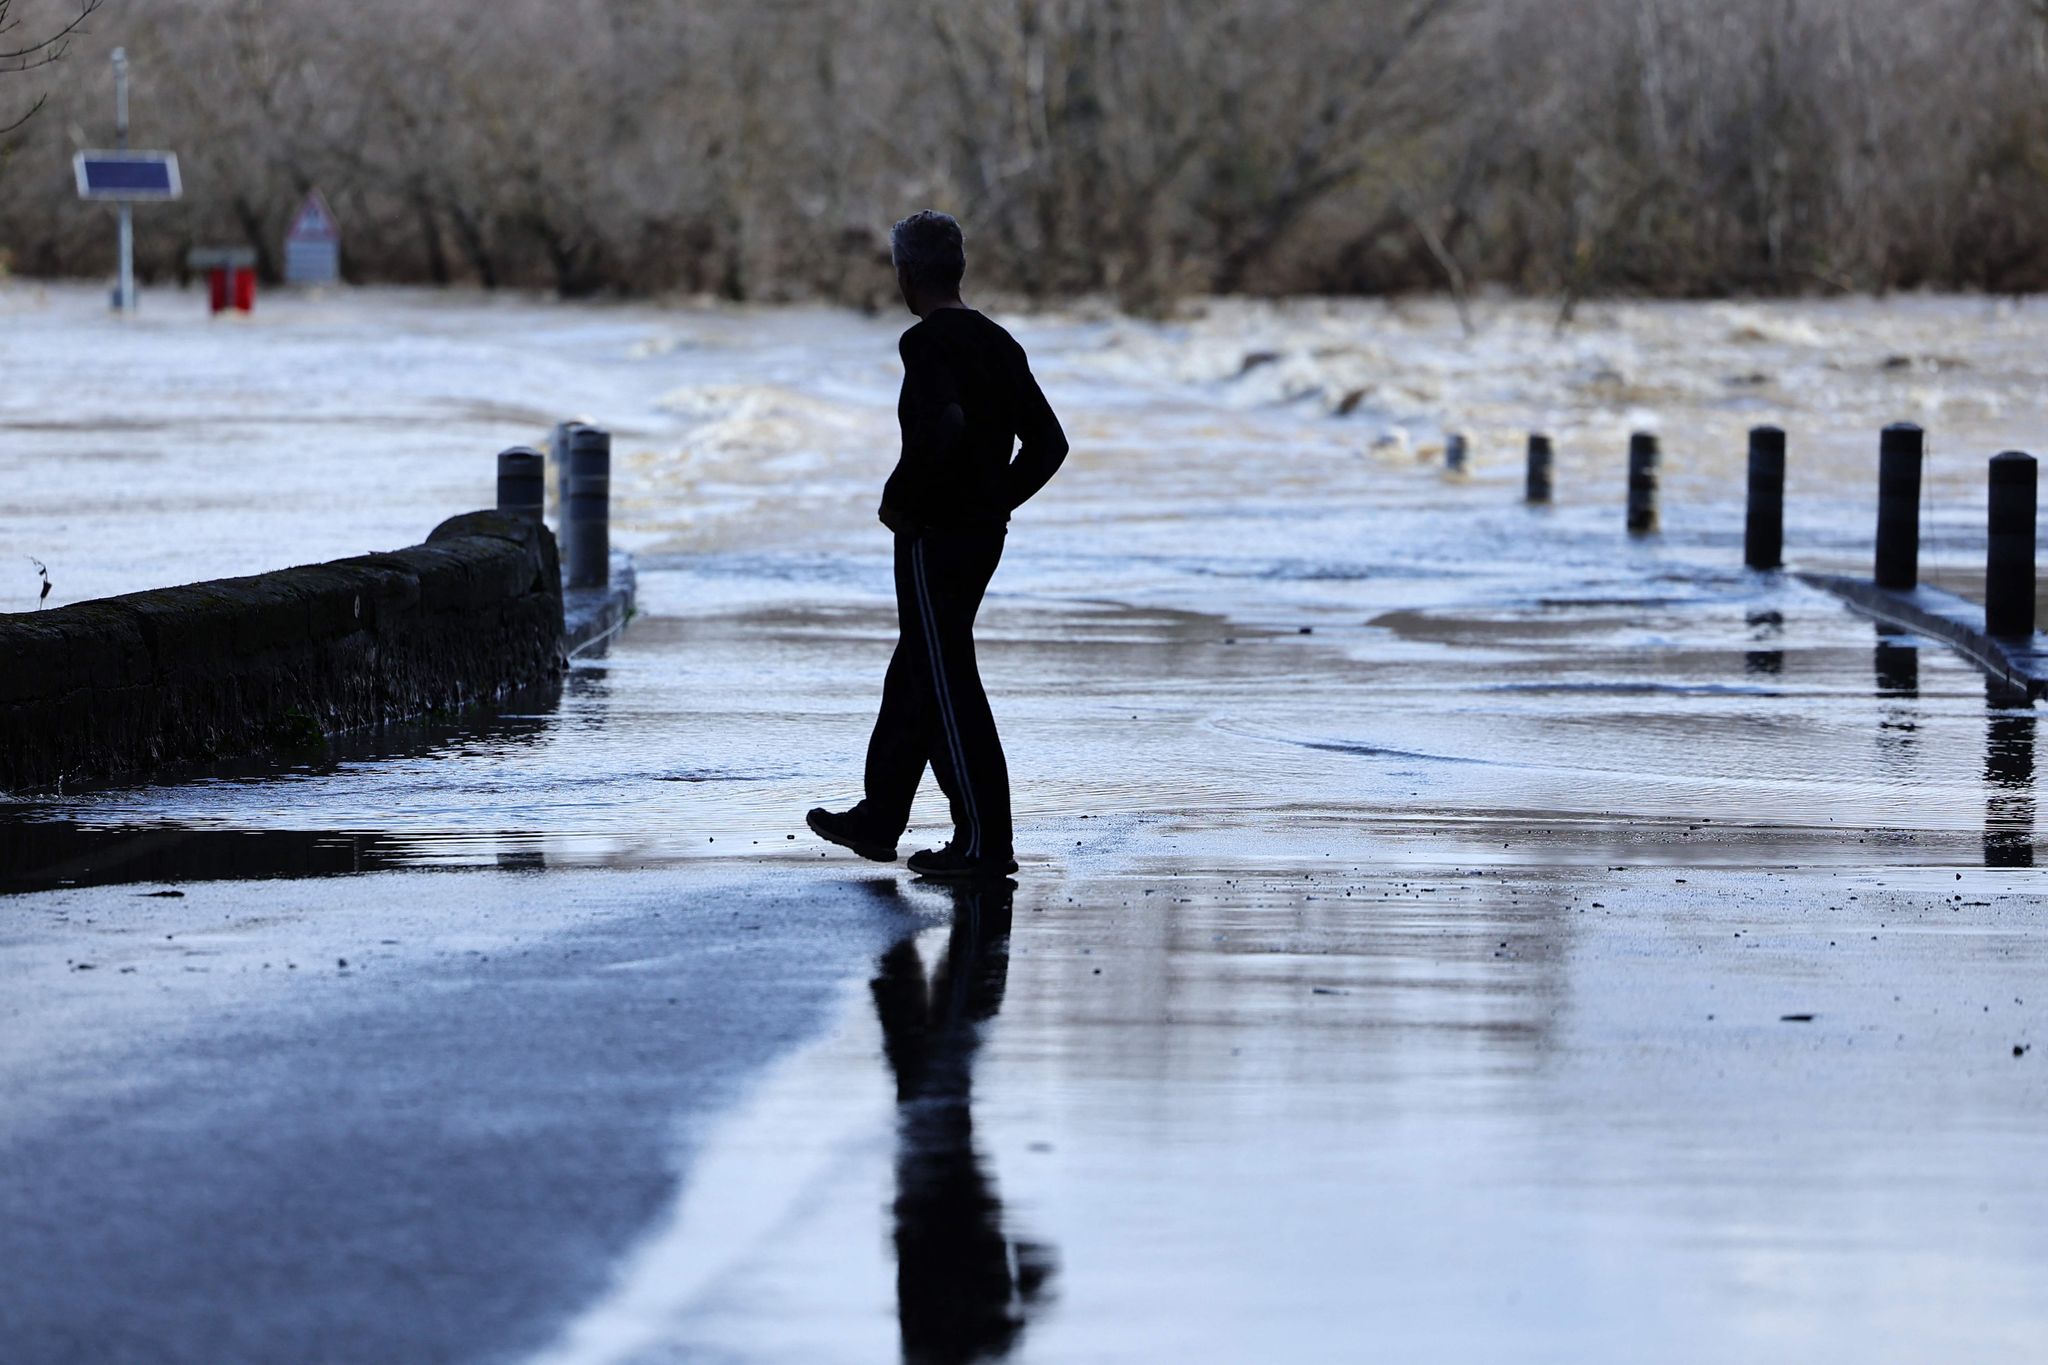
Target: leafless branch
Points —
{"points": [[1147, 148], [48, 48]]}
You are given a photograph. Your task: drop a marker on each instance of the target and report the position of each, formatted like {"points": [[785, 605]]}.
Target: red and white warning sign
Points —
{"points": [[314, 222], [312, 248]]}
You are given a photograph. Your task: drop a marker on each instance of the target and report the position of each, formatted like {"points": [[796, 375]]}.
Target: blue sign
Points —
{"points": [[128, 176]]}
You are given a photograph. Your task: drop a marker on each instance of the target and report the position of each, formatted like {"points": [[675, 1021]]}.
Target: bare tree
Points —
{"points": [[1144, 149], [25, 51]]}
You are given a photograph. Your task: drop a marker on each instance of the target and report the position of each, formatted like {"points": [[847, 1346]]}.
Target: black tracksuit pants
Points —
{"points": [[933, 707]]}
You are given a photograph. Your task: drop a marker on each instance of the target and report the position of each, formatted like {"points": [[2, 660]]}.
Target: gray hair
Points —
{"points": [[927, 246]]}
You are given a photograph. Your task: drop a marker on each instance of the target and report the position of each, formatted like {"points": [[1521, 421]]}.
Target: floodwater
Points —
{"points": [[1446, 929]]}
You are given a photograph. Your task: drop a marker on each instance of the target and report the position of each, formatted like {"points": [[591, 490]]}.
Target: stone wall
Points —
{"points": [[129, 685]]}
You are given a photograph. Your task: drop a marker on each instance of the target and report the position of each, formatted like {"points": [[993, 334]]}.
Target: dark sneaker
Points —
{"points": [[843, 831], [949, 864]]}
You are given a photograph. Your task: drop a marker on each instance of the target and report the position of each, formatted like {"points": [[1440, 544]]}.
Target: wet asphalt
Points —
{"points": [[1279, 1065], [412, 1117], [1446, 930]]}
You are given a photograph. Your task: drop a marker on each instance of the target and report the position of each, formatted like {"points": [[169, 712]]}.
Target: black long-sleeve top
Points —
{"points": [[967, 393]]}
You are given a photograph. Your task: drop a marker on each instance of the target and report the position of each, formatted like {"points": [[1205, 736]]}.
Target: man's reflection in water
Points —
{"points": [[2008, 778], [963, 1292]]}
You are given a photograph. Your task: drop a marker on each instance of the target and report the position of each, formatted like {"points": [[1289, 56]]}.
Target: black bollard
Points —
{"points": [[2009, 564], [1763, 529], [1538, 486], [1454, 452], [522, 479], [1898, 505], [558, 456], [589, 512], [1643, 458]]}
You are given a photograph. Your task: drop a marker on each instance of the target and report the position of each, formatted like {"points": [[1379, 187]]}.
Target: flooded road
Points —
{"points": [[1445, 929]]}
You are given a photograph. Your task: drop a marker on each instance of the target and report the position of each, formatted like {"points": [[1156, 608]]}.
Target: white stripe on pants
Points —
{"points": [[945, 701]]}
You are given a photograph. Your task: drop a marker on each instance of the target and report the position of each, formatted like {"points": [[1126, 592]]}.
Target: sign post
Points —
{"points": [[126, 177], [124, 297]]}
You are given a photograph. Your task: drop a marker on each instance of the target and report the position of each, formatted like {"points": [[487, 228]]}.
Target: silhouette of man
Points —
{"points": [[967, 393], [963, 1289]]}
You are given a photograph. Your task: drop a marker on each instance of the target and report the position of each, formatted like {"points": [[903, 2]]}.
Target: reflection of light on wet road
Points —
{"points": [[785, 1192], [1433, 1111], [1424, 1112], [1448, 928], [794, 1167]]}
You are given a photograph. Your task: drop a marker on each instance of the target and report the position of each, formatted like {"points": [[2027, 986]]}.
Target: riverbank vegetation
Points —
{"points": [[1149, 149]]}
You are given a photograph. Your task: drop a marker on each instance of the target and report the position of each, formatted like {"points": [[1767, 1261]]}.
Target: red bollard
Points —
{"points": [[230, 273]]}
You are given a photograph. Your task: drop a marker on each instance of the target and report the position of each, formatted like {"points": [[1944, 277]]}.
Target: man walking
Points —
{"points": [[967, 393]]}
